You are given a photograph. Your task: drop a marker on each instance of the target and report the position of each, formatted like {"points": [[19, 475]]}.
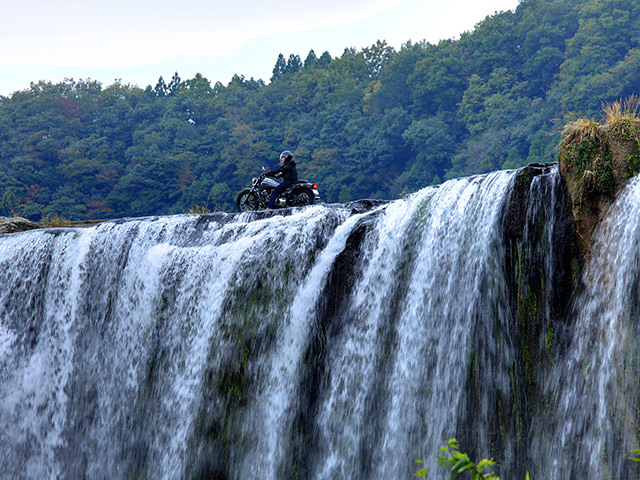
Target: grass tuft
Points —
{"points": [[199, 209], [580, 130], [628, 109], [54, 220]]}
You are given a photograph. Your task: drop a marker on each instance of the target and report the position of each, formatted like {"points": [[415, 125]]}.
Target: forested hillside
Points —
{"points": [[374, 122]]}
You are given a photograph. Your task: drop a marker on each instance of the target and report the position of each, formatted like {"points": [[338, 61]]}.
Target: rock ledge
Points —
{"points": [[596, 161]]}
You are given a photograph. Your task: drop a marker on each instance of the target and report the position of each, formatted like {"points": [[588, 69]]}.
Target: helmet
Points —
{"points": [[287, 155]]}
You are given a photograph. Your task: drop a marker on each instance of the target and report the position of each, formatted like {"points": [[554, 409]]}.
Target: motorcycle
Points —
{"points": [[299, 194]]}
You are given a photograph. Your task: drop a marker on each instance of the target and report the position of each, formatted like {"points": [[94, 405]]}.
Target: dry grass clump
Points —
{"points": [[199, 210], [628, 109], [54, 220], [580, 130], [584, 128]]}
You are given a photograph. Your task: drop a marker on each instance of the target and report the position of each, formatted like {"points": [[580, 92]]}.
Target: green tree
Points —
{"points": [[433, 148], [280, 68], [294, 64], [607, 32], [377, 56], [439, 79], [311, 59], [9, 205]]}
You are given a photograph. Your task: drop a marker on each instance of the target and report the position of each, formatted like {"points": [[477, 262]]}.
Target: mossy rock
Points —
{"points": [[16, 224], [595, 162]]}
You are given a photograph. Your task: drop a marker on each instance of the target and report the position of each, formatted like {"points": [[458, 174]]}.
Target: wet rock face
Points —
{"points": [[541, 266], [596, 161], [16, 224], [518, 200]]}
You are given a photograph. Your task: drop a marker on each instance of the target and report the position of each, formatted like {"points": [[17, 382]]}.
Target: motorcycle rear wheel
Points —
{"points": [[247, 201], [303, 197]]}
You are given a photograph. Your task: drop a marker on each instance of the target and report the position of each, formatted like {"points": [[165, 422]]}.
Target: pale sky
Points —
{"points": [[137, 41]]}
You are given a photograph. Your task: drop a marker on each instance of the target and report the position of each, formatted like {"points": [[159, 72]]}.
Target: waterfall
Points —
{"points": [[398, 365], [333, 341], [107, 332], [592, 426]]}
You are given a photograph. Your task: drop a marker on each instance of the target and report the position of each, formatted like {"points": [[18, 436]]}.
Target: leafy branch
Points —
{"points": [[451, 456]]}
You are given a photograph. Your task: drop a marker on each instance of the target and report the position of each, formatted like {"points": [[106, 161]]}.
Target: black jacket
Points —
{"points": [[287, 171]]}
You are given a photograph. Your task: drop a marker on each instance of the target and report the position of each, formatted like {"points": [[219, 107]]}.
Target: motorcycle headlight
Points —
{"points": [[254, 181]]}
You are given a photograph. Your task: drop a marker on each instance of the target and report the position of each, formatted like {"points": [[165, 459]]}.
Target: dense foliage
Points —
{"points": [[370, 123]]}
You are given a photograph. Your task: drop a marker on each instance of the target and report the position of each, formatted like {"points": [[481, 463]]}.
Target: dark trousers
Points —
{"points": [[277, 191]]}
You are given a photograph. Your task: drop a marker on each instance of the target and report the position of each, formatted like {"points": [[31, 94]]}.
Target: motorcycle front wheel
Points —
{"points": [[247, 201]]}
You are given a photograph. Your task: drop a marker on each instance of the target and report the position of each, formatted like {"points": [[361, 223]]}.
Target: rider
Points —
{"points": [[288, 173]]}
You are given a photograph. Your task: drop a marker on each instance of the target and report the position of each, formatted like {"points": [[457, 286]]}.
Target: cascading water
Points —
{"points": [[398, 364], [593, 388], [106, 334], [326, 342]]}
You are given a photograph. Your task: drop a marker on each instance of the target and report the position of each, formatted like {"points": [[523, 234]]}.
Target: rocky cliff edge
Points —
{"points": [[596, 161]]}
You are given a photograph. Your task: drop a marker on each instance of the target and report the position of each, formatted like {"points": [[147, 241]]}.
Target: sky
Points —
{"points": [[137, 41]]}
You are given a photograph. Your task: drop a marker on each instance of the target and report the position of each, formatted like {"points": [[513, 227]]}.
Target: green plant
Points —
{"points": [[451, 456], [581, 146], [10, 204], [422, 472], [633, 166]]}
